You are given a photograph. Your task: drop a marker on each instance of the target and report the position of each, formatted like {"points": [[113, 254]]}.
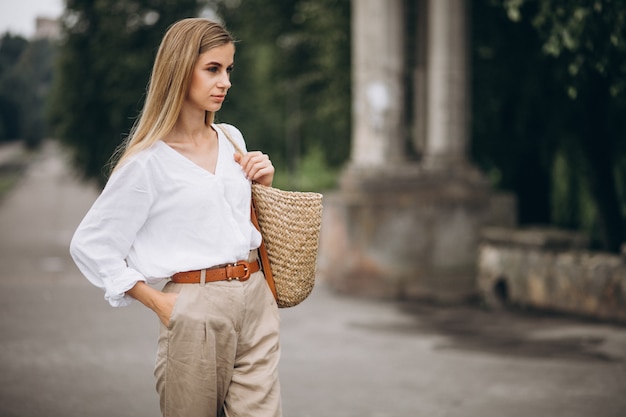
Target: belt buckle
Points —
{"points": [[230, 271]]}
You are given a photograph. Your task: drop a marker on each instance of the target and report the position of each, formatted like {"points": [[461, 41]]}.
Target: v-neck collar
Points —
{"points": [[179, 156]]}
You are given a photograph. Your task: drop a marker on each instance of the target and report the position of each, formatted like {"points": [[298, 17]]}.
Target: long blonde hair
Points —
{"points": [[169, 83]]}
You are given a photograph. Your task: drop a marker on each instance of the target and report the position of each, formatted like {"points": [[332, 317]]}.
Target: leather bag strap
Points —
{"points": [[265, 260]]}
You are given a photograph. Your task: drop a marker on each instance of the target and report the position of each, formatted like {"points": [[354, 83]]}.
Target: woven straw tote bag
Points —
{"points": [[290, 223]]}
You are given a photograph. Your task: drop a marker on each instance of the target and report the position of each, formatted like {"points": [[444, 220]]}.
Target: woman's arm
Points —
{"points": [[159, 302], [104, 237]]}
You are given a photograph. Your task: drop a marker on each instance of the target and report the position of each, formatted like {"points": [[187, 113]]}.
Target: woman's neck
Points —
{"points": [[191, 128]]}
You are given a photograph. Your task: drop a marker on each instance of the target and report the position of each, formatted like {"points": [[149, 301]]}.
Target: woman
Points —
{"points": [[177, 206]]}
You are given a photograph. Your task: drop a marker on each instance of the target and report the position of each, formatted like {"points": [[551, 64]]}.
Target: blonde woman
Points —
{"points": [[177, 208]]}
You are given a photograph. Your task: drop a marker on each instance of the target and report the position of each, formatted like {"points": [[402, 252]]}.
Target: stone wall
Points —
{"points": [[551, 270], [412, 237], [406, 219]]}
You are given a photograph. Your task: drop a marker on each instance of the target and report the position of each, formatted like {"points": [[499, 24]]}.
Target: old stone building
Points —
{"points": [[405, 221], [413, 217]]}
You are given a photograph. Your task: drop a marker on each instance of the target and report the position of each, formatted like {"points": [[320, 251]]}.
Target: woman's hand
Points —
{"points": [[159, 302], [257, 167], [164, 306]]}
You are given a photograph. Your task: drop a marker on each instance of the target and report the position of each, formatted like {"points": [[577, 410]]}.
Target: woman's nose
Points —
{"points": [[224, 81]]}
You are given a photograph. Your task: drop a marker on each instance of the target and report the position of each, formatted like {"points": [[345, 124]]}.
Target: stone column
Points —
{"points": [[420, 80], [448, 104], [397, 228], [378, 62]]}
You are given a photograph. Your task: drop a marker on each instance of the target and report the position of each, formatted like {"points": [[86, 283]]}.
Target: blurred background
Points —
{"points": [[547, 93], [546, 125]]}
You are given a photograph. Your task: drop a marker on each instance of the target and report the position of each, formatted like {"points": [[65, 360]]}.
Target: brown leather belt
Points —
{"points": [[239, 271]]}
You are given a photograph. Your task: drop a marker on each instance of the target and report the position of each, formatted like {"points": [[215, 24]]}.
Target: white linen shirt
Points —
{"points": [[159, 214]]}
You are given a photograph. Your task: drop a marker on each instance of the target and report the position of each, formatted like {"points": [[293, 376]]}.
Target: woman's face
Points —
{"points": [[210, 80]]}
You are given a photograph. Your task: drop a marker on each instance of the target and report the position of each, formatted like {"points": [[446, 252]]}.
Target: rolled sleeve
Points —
{"points": [[115, 289], [103, 240]]}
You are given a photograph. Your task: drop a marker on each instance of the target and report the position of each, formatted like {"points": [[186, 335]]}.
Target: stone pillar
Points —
{"points": [[397, 228], [378, 82], [448, 103], [419, 75]]}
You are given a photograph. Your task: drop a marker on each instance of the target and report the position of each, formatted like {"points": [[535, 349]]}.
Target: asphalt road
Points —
{"points": [[64, 352]]}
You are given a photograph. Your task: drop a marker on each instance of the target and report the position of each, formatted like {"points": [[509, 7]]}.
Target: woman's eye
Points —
{"points": [[212, 69], [230, 69]]}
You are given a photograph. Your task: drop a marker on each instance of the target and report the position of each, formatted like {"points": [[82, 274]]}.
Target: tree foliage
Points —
{"points": [[290, 88], [25, 78], [549, 94], [11, 48], [102, 72], [291, 85]]}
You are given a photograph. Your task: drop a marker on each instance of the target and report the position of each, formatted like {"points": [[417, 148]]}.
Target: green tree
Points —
{"points": [[514, 98], [549, 93], [291, 85], [35, 69], [256, 101], [11, 48], [588, 41], [325, 32], [103, 68], [25, 78], [290, 94]]}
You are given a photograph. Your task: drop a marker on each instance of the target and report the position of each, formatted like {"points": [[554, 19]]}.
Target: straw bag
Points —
{"points": [[290, 223]]}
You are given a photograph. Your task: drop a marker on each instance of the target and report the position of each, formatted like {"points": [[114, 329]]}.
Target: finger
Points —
{"points": [[244, 161], [260, 169], [257, 174], [252, 163], [252, 158]]}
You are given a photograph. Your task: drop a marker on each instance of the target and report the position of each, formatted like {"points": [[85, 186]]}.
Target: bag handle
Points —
{"points": [[263, 255], [265, 259], [230, 139]]}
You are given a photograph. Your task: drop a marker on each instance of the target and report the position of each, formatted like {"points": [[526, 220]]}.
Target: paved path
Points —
{"points": [[64, 352]]}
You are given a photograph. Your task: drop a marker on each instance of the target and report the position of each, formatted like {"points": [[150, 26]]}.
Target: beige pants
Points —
{"points": [[219, 355]]}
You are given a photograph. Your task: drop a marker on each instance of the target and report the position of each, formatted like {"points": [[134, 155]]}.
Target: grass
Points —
{"points": [[7, 181], [313, 175], [11, 170]]}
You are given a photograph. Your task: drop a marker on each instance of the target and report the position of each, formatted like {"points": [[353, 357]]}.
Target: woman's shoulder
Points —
{"points": [[140, 161], [233, 134], [231, 129]]}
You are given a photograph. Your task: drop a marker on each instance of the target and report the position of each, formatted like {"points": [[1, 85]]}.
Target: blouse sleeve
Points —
{"points": [[103, 239]]}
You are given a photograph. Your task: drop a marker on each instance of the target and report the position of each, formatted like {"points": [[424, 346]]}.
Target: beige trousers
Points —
{"points": [[219, 354]]}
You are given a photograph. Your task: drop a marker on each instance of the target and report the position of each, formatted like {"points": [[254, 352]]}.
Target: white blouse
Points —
{"points": [[159, 214]]}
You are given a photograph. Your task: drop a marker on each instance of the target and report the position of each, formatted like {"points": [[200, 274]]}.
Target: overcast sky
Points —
{"points": [[18, 16]]}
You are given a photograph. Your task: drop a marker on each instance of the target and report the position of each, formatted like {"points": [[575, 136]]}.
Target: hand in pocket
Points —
{"points": [[164, 306]]}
